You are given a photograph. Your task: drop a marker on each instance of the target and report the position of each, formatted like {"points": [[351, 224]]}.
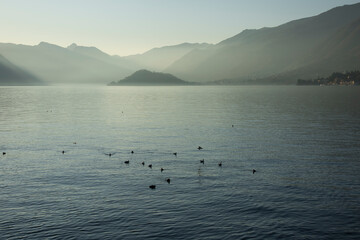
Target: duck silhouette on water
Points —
{"points": [[152, 186], [199, 148], [109, 154], [127, 162]]}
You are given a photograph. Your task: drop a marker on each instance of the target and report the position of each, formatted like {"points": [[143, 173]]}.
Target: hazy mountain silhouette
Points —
{"points": [[148, 78], [268, 52], [55, 64], [79, 64], [95, 53], [155, 59], [158, 59], [92, 52], [11, 74], [343, 47], [338, 53]]}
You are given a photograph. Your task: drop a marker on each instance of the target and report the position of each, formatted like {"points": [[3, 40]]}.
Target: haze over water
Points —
{"points": [[304, 143]]}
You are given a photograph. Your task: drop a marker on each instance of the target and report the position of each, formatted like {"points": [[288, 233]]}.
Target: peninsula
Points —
{"points": [[148, 78]]}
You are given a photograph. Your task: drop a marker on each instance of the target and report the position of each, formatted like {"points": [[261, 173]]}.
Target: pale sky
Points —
{"points": [[125, 27]]}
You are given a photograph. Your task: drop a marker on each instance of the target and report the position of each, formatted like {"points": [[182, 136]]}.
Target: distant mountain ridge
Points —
{"points": [[89, 51], [56, 64], [148, 78], [79, 64], [158, 59]]}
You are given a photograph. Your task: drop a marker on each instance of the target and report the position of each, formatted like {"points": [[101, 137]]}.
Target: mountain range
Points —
{"points": [[304, 48]]}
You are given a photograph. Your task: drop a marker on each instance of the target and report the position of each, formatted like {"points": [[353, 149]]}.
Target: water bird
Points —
{"points": [[254, 171], [4, 153], [199, 148], [109, 154], [152, 186], [202, 161], [168, 180], [150, 166], [143, 163], [63, 152], [175, 153], [127, 162], [132, 152], [220, 164], [161, 169]]}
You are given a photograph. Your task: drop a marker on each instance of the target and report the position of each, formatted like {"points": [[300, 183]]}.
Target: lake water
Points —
{"points": [[304, 143]]}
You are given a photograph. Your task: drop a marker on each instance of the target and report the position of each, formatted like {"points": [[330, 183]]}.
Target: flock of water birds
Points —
{"points": [[202, 161], [168, 180], [150, 165]]}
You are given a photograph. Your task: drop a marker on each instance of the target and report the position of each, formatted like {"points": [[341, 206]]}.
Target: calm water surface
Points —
{"points": [[304, 143]]}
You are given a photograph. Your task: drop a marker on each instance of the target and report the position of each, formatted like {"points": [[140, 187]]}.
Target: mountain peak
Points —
{"points": [[48, 45], [72, 46], [89, 51], [44, 44]]}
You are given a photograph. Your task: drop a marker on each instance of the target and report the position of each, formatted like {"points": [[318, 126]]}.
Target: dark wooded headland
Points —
{"points": [[342, 79], [148, 78]]}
